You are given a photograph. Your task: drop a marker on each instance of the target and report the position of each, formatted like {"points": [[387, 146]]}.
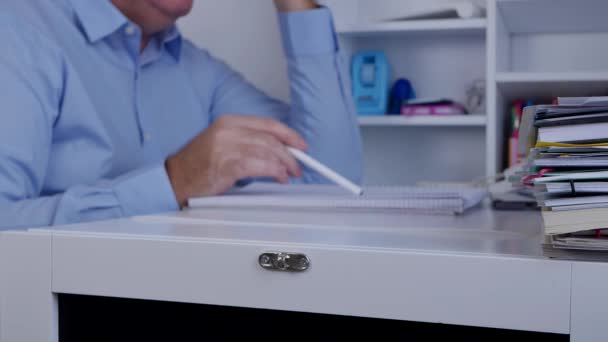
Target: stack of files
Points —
{"points": [[296, 196], [567, 165]]}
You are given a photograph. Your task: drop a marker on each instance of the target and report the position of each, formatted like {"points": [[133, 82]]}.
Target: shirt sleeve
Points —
{"points": [[31, 78], [321, 108]]}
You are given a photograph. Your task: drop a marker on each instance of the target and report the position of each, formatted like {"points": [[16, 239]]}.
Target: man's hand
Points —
{"points": [[295, 5], [233, 148]]}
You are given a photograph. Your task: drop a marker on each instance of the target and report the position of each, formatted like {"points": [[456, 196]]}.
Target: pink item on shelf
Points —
{"points": [[444, 109]]}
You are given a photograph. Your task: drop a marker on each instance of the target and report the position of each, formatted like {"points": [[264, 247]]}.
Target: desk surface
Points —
{"points": [[480, 230], [481, 269]]}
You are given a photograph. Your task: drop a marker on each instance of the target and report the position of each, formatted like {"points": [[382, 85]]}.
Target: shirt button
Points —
{"points": [[147, 137], [130, 30]]}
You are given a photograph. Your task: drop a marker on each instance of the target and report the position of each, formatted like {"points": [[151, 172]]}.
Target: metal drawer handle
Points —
{"points": [[286, 262]]}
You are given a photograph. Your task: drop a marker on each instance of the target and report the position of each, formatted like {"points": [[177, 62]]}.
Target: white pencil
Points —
{"points": [[325, 171]]}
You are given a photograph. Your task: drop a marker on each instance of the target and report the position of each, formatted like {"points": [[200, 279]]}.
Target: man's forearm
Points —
{"points": [[321, 108], [295, 5]]}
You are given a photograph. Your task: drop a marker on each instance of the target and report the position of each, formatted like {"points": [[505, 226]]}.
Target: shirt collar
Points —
{"points": [[172, 40], [100, 18]]}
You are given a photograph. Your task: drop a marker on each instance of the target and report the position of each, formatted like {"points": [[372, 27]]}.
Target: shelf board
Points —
{"points": [[459, 26], [553, 16], [552, 84], [439, 121]]}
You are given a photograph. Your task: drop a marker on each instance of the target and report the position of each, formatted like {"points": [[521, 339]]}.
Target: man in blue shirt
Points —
{"points": [[108, 112]]}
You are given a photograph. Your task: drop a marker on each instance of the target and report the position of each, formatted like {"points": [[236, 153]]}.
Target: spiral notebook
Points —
{"points": [[420, 199]]}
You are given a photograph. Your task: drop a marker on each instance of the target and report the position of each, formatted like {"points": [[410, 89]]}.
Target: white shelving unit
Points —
{"points": [[443, 121], [545, 85], [423, 27], [542, 49], [524, 50], [442, 58]]}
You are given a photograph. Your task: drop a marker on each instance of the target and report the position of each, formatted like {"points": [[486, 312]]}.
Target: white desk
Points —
{"points": [[482, 269]]}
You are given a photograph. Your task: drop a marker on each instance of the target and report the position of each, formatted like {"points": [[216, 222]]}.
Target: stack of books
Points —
{"points": [[566, 164]]}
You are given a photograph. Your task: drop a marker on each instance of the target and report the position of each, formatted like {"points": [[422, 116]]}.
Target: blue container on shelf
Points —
{"points": [[371, 77]]}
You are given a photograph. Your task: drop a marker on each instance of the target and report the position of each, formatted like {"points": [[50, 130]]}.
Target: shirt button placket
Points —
{"points": [[131, 35], [145, 136]]}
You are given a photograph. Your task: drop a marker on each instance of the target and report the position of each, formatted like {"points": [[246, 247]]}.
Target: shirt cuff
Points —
{"points": [[308, 32], [146, 191]]}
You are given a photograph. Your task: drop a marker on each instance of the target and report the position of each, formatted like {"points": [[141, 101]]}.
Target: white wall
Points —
{"points": [[244, 33]]}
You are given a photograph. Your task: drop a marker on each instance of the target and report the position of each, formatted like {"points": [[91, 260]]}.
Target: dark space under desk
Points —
{"points": [[86, 318]]}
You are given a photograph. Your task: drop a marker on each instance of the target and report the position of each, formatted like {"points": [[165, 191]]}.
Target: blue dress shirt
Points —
{"points": [[88, 120]]}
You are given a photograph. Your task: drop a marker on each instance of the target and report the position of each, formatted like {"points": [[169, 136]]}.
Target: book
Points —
{"points": [[568, 176], [529, 132], [419, 199], [576, 242], [513, 138], [572, 221], [576, 187], [571, 162], [553, 111], [579, 206], [574, 133], [592, 101], [577, 246], [572, 120], [552, 250], [576, 200]]}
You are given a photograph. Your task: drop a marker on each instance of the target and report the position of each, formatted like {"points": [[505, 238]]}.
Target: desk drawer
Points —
{"points": [[508, 293]]}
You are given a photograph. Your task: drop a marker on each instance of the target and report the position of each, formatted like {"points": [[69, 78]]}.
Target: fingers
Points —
{"points": [[273, 145], [275, 128], [253, 147], [266, 166], [233, 148]]}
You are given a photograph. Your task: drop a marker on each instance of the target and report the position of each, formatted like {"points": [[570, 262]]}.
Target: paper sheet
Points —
{"points": [[330, 196]]}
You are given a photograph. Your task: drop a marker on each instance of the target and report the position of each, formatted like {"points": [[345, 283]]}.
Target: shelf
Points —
{"points": [[553, 84], [445, 26], [554, 16], [445, 121]]}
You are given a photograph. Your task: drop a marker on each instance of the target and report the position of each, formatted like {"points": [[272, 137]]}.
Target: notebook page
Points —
{"points": [[330, 196]]}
